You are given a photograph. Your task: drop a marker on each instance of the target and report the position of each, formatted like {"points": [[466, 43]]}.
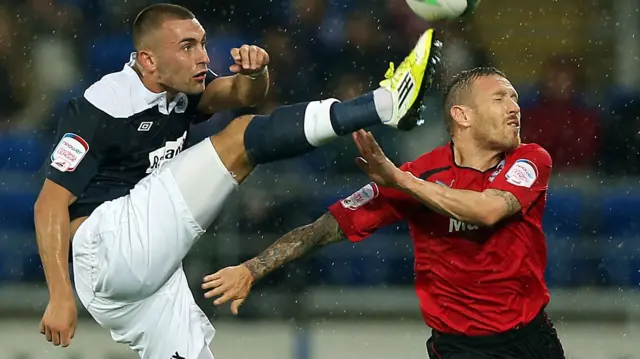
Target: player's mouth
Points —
{"points": [[200, 76], [513, 122]]}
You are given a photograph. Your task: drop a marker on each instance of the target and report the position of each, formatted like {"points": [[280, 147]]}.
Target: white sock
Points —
{"points": [[317, 122], [384, 103]]}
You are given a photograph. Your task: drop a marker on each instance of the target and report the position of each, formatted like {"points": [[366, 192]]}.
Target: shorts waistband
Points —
{"points": [[518, 332]]}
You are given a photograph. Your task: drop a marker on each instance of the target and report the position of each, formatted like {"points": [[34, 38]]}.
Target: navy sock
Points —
{"points": [[352, 115], [277, 136], [293, 130]]}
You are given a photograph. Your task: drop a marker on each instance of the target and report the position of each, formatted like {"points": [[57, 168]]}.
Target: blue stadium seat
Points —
{"points": [[564, 213], [107, 54], [32, 267], [15, 247], [559, 255], [619, 213], [618, 256], [401, 270], [620, 236], [21, 151], [16, 211]]}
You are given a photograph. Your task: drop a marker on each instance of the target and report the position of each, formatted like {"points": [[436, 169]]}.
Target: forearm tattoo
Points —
{"points": [[295, 244], [513, 205]]}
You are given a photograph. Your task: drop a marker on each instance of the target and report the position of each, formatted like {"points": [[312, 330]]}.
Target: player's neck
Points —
{"points": [[151, 84], [470, 155]]}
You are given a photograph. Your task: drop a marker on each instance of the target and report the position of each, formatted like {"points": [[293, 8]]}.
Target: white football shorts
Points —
{"points": [[127, 256]]}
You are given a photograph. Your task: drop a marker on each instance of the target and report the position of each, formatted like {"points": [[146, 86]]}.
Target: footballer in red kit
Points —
{"points": [[490, 267], [474, 208]]}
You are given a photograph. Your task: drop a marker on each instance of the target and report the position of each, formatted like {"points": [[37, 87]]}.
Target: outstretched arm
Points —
{"points": [[234, 283], [484, 208], [295, 244], [481, 208]]}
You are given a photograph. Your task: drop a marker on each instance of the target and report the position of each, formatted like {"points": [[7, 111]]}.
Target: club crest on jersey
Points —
{"points": [[69, 152], [495, 173], [163, 154], [363, 196], [523, 173]]}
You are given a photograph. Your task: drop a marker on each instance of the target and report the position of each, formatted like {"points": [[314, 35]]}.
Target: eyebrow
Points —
{"points": [[503, 92], [193, 39], [188, 39]]}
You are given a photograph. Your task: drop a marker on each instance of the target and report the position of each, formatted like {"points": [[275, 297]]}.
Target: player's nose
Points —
{"points": [[513, 108], [204, 57]]}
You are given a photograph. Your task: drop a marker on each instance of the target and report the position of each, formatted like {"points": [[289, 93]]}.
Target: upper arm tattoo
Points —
{"points": [[513, 205], [295, 244]]}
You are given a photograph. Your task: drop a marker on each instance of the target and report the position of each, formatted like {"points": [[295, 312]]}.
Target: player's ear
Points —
{"points": [[461, 115], [147, 60]]}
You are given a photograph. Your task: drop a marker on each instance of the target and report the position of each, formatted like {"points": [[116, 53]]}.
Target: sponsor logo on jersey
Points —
{"points": [[170, 150], [523, 173], [69, 152], [459, 226], [363, 196]]}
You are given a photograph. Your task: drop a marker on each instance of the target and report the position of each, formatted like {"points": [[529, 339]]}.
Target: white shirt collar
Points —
{"points": [[178, 103]]}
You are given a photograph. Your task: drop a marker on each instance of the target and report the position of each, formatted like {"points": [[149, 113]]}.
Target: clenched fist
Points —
{"points": [[249, 59], [59, 321]]}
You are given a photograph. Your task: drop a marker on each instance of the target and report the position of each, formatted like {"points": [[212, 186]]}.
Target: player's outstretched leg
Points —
{"points": [[293, 130], [203, 176]]}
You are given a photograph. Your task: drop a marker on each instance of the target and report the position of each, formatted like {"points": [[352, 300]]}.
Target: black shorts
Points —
{"points": [[536, 340]]}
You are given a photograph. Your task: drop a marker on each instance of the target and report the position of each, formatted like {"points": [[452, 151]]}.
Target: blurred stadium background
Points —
{"points": [[575, 63]]}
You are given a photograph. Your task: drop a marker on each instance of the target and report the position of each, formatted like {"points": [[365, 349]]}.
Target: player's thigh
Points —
{"points": [[170, 210], [203, 180], [145, 235], [165, 325]]}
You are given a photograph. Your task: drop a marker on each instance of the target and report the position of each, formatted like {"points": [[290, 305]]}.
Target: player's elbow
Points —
{"points": [[488, 218], [246, 101], [53, 199], [45, 206], [489, 213], [43, 213], [251, 98]]}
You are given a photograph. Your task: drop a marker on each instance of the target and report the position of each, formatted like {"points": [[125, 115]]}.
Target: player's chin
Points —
{"points": [[194, 88], [513, 143], [509, 142]]}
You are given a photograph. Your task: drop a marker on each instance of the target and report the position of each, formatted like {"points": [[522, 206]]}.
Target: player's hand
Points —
{"points": [[248, 59], [232, 283], [373, 161], [59, 321]]}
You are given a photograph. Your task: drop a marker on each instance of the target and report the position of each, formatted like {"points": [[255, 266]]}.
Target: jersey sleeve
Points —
{"points": [[526, 175], [369, 209], [75, 159], [194, 100]]}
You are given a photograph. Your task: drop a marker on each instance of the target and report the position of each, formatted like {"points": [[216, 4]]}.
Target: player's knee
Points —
{"points": [[236, 127], [233, 135], [242, 122], [230, 147]]}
